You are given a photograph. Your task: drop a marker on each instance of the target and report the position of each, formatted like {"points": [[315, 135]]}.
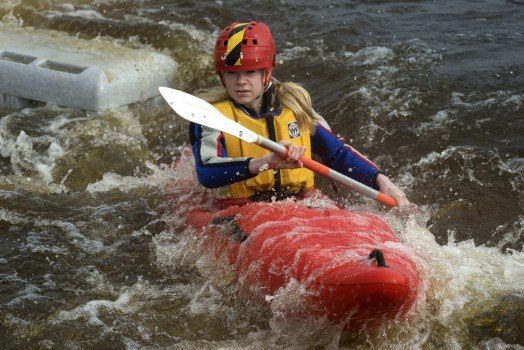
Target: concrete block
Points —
{"points": [[93, 75]]}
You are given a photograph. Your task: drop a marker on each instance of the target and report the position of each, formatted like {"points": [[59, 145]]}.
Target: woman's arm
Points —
{"points": [[215, 169], [387, 187], [343, 158], [275, 161], [346, 160], [213, 166]]}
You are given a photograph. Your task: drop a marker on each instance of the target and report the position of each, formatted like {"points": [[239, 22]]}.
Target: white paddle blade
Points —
{"points": [[200, 112]]}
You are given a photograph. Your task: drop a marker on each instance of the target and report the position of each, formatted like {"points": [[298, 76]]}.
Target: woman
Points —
{"points": [[244, 61]]}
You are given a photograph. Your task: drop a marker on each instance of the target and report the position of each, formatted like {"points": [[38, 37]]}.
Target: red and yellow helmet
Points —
{"points": [[245, 46]]}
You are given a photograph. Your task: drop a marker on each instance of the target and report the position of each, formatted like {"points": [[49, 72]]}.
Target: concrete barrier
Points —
{"points": [[40, 67]]}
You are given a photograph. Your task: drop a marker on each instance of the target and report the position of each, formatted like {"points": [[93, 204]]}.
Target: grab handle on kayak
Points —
{"points": [[379, 257]]}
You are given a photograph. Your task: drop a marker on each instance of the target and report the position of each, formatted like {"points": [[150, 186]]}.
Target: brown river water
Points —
{"points": [[93, 254]]}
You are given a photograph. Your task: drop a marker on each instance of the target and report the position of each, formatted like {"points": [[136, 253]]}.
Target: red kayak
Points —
{"points": [[351, 266]]}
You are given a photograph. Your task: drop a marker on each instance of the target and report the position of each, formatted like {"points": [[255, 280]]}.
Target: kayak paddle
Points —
{"points": [[200, 112]]}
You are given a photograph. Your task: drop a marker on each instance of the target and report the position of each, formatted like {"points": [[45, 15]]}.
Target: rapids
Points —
{"points": [[92, 251]]}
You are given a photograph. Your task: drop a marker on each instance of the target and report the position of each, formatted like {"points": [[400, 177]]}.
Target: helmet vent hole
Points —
{"points": [[244, 42], [225, 42], [255, 42]]}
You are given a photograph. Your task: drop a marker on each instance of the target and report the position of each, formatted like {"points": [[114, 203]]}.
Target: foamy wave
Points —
{"points": [[35, 148], [30, 292], [460, 279], [55, 125], [508, 99], [161, 177], [292, 53], [9, 19], [441, 120], [35, 243], [74, 235], [91, 14], [25, 155], [92, 309], [515, 165], [370, 55], [461, 154]]}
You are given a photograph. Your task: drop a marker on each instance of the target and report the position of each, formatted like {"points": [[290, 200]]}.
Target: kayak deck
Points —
{"points": [[269, 245]]}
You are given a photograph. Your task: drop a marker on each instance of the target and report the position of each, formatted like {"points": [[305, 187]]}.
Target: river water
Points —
{"points": [[92, 252]]}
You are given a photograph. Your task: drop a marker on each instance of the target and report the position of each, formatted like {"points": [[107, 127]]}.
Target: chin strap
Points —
{"points": [[221, 78], [267, 77]]}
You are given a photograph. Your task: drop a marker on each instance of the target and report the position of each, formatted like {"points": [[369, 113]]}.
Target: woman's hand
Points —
{"points": [[387, 187], [276, 161]]}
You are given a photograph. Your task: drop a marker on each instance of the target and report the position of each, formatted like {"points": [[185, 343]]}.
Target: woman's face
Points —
{"points": [[246, 87]]}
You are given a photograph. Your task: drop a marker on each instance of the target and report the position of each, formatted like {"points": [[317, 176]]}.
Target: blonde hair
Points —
{"points": [[296, 98], [290, 95]]}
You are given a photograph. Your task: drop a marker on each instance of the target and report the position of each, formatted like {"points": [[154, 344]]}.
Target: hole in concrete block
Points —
{"points": [[16, 57], [18, 103], [62, 67]]}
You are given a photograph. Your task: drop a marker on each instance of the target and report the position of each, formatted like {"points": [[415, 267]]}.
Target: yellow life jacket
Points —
{"points": [[281, 127]]}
